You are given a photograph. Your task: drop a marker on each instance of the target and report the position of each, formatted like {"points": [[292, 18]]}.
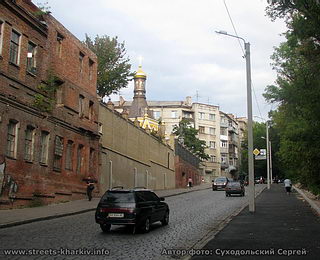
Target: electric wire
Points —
{"points": [[236, 33], [234, 28]]}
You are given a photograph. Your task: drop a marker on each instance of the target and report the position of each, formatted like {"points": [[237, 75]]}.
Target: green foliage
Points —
{"points": [[260, 166], [45, 100], [42, 103], [44, 8], [188, 134], [297, 91], [113, 67]]}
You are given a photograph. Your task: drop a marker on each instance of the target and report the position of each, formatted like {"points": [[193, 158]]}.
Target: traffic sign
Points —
{"points": [[256, 152]]}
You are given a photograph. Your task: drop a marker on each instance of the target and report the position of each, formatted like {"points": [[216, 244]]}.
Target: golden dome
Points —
{"points": [[140, 73]]}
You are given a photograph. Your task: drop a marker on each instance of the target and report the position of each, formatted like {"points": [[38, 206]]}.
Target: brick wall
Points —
{"points": [[30, 181], [184, 170]]}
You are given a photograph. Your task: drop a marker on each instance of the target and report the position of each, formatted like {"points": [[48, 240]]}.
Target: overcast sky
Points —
{"points": [[182, 54]]}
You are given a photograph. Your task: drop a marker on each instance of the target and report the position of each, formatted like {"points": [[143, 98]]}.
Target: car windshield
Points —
{"points": [[118, 197], [234, 184], [221, 180]]}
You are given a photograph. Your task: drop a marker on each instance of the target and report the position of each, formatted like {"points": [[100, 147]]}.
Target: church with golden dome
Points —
{"points": [[138, 109]]}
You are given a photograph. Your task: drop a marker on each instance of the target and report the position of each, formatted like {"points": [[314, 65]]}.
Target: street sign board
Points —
{"points": [[260, 154], [263, 152], [260, 157], [256, 152]]}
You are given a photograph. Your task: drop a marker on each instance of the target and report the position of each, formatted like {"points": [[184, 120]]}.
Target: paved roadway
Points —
{"points": [[192, 216]]}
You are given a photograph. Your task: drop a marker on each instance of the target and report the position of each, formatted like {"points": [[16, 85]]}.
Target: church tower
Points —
{"points": [[139, 105]]}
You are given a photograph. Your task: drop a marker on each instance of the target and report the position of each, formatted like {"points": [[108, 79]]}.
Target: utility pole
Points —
{"points": [[250, 132], [268, 156], [270, 161], [268, 146]]}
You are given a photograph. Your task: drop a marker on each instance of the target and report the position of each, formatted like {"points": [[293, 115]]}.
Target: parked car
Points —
{"points": [[219, 183], [234, 187], [138, 208]]}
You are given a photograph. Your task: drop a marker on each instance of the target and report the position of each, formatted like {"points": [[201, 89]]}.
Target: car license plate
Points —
{"points": [[115, 215]]}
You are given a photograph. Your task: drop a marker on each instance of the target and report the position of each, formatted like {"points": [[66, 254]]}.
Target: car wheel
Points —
{"points": [[227, 195], [165, 220], [146, 226], [105, 228]]}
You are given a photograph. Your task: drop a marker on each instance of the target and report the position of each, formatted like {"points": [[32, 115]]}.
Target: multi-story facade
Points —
{"points": [[242, 123], [48, 108], [234, 147], [207, 122], [229, 143], [224, 143]]}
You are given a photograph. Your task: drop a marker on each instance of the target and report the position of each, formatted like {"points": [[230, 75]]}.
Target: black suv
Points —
{"points": [[137, 207]]}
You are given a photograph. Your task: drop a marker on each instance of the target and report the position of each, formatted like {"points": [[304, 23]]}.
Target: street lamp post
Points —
{"points": [[270, 161], [268, 156], [249, 111], [268, 143]]}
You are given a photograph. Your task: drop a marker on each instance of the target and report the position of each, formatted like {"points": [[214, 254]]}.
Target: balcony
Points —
{"points": [[224, 124], [232, 129], [224, 150], [224, 165], [233, 155]]}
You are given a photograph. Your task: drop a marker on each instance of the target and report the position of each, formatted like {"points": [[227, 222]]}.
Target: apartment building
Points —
{"points": [[207, 121]]}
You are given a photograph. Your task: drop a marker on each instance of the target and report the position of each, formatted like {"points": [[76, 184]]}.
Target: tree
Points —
{"points": [[113, 65], [297, 90], [188, 134], [260, 166]]}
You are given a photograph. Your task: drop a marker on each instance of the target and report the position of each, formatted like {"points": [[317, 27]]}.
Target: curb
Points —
{"points": [[217, 228], [313, 205], [22, 222]]}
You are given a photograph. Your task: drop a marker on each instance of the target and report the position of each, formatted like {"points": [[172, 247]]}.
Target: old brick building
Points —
{"points": [[186, 166], [48, 108]]}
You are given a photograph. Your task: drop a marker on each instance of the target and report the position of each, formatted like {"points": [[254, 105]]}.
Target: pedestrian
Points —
{"points": [[90, 188], [190, 182], [288, 185], [2, 172], [261, 180]]}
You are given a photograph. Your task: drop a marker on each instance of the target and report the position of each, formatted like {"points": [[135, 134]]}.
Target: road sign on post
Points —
{"points": [[262, 155]]}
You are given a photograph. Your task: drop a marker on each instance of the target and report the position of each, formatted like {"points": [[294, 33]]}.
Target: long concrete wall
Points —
{"points": [[130, 157]]}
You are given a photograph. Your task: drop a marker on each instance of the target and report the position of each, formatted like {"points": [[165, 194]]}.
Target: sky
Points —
{"points": [[181, 53]]}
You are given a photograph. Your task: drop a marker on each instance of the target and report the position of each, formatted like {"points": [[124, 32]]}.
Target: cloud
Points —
{"points": [[182, 55]]}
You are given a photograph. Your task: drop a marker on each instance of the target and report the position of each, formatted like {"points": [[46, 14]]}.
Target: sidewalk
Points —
{"points": [[14, 217], [283, 226]]}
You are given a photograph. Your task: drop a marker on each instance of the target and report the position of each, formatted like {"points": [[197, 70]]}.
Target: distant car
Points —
{"points": [[220, 183], [234, 187], [138, 208]]}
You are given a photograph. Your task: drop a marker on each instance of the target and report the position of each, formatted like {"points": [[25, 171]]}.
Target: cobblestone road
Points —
{"points": [[192, 216]]}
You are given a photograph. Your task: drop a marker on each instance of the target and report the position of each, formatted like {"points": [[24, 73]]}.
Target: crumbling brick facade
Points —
{"points": [[46, 152]]}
